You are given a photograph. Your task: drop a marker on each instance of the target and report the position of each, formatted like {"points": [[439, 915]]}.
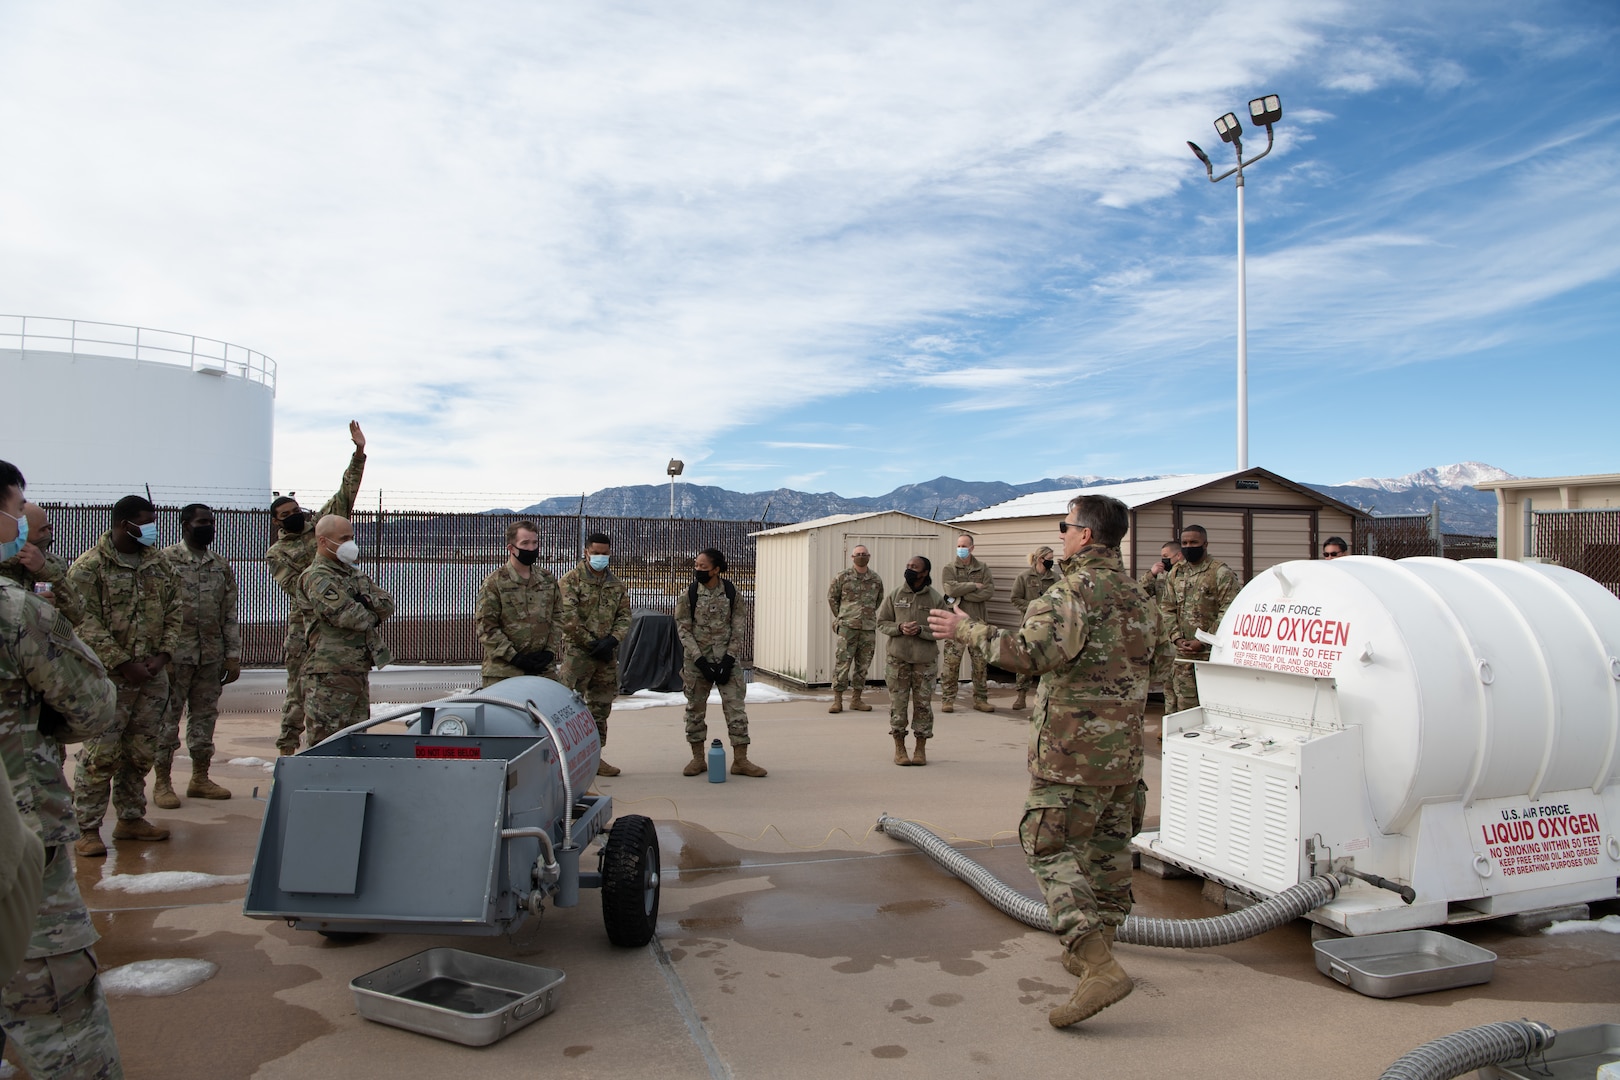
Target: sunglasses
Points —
{"points": [[1065, 526], [1330, 554]]}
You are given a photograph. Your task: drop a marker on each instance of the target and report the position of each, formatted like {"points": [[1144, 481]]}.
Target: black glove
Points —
{"points": [[724, 668], [532, 663], [706, 668], [602, 648]]}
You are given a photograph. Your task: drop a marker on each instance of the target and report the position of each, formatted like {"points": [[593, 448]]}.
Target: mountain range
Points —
{"points": [[1462, 509]]}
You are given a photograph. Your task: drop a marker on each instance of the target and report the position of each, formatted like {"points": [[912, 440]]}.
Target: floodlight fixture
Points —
{"points": [[1265, 111], [1198, 152], [675, 467], [1229, 128]]}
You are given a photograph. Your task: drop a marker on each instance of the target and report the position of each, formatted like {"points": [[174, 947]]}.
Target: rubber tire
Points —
{"points": [[629, 858]]}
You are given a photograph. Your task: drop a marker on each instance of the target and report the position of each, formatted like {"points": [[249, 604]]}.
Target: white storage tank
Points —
{"points": [[1452, 726]]}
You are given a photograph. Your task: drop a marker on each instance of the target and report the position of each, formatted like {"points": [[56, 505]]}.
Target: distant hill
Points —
{"points": [[1462, 509]]}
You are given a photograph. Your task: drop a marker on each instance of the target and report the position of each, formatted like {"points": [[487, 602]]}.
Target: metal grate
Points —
{"points": [[433, 563], [1584, 540]]}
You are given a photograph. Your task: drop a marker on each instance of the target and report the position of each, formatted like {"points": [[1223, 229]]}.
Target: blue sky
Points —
{"points": [[543, 248]]}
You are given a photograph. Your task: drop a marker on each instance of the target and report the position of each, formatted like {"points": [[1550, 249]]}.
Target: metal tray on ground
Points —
{"points": [[1577, 1052], [1405, 962], [457, 995]]}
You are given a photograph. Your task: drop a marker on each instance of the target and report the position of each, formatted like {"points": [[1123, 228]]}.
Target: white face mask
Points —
{"points": [[349, 552]]}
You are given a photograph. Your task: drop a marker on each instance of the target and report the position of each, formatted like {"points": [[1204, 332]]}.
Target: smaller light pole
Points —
{"points": [[1264, 111], [674, 468]]}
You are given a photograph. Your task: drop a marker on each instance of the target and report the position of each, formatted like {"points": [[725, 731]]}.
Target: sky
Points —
{"points": [[543, 248]]}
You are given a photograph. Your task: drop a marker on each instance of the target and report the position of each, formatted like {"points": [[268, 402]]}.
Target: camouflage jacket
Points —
{"points": [[716, 628], [903, 606], [292, 553], [131, 603], [208, 631], [972, 585], [1092, 638], [1195, 597], [516, 616], [592, 606], [49, 678], [1030, 584], [345, 612], [854, 599], [55, 571]]}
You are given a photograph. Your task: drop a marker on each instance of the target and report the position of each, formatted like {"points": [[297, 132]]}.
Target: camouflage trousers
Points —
{"points": [[332, 702], [910, 684], [1028, 683], [292, 709], [55, 1016], [194, 688], [732, 694], [1180, 689], [121, 756], [852, 658], [597, 681], [950, 671], [1077, 841]]}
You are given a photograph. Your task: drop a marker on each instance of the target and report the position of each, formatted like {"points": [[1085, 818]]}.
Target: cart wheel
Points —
{"points": [[630, 881]]}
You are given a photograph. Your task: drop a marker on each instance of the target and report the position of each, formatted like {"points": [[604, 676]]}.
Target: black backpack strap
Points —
{"points": [[691, 596]]}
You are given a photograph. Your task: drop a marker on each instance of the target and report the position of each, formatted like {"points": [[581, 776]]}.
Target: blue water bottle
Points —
{"points": [[717, 763]]}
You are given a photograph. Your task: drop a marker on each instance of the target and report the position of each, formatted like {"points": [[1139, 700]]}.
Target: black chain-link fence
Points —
{"points": [[433, 564], [1583, 540]]}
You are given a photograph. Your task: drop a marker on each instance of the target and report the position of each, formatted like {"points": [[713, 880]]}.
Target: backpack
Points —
{"points": [[691, 597]]}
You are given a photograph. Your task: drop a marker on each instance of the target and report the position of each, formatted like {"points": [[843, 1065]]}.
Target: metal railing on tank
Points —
{"points": [[76, 337]]}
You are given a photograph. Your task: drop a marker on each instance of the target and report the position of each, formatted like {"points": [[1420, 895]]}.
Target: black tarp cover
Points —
{"points": [[651, 656]]}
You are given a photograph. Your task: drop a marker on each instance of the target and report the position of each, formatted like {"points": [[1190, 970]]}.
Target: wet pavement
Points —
{"points": [[793, 939]]}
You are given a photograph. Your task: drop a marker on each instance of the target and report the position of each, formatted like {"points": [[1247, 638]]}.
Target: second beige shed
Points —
{"points": [[794, 565]]}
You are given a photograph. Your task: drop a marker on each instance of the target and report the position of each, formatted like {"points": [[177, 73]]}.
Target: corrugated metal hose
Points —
{"points": [[1473, 1048]]}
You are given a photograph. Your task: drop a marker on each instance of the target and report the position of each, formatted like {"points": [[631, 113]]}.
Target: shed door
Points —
{"points": [[889, 557], [1280, 538]]}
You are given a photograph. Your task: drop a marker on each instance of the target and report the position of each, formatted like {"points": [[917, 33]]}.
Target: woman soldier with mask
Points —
{"points": [[1032, 583], [912, 655]]}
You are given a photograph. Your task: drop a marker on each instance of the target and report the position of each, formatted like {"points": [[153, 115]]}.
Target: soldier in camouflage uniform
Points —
{"points": [[288, 558], [347, 611], [53, 690], [517, 612], [1032, 583], [595, 615], [1194, 596], [1092, 638], [209, 655], [854, 596], [132, 619], [968, 584], [35, 565], [713, 624], [910, 659]]}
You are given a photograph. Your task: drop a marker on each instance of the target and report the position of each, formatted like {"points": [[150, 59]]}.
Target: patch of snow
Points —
{"points": [[1609, 924], [1462, 475], [167, 881], [758, 694], [249, 761], [156, 978]]}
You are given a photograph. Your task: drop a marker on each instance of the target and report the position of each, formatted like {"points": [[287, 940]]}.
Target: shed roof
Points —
{"points": [[840, 519], [1137, 493]]}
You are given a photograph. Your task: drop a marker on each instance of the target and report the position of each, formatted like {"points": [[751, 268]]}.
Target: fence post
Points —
{"points": [[1529, 531]]}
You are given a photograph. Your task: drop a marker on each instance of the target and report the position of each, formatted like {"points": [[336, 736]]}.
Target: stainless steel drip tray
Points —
{"points": [[458, 995], [1405, 962]]}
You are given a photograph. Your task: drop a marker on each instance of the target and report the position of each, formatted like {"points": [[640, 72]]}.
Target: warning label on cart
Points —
{"points": [[1519, 837], [1300, 638]]}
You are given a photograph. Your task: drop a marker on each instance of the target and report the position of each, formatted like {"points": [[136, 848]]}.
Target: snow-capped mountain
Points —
{"points": [[1462, 508], [1464, 474]]}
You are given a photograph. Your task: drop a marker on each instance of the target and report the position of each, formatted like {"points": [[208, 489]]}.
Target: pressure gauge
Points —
{"points": [[450, 725]]}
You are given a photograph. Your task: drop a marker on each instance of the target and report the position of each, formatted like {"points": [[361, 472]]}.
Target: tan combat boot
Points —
{"points": [[740, 765], [919, 756], [982, 705], [697, 765], [200, 786], [138, 829], [838, 702], [604, 769], [948, 705], [1102, 981], [900, 756], [163, 796], [90, 846], [856, 703], [1018, 702]]}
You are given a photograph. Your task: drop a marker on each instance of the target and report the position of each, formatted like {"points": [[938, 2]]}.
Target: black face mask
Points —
{"points": [[201, 535], [528, 556], [293, 522], [916, 579], [701, 576], [1046, 564], [1194, 555]]}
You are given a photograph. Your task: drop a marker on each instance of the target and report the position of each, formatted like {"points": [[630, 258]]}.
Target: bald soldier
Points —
{"points": [[1195, 595], [345, 640], [36, 568], [968, 585]]}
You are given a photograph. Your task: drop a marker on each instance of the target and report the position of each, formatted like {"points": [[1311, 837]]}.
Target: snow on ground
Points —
{"points": [[1609, 924], [167, 881], [156, 978], [249, 761], [758, 694]]}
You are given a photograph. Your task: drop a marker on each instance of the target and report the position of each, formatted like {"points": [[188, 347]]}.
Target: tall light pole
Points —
{"points": [[1262, 111], [674, 468]]}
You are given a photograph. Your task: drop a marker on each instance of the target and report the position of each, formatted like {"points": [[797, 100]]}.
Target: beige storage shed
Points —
{"points": [[1256, 519], [794, 565], [1517, 497]]}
